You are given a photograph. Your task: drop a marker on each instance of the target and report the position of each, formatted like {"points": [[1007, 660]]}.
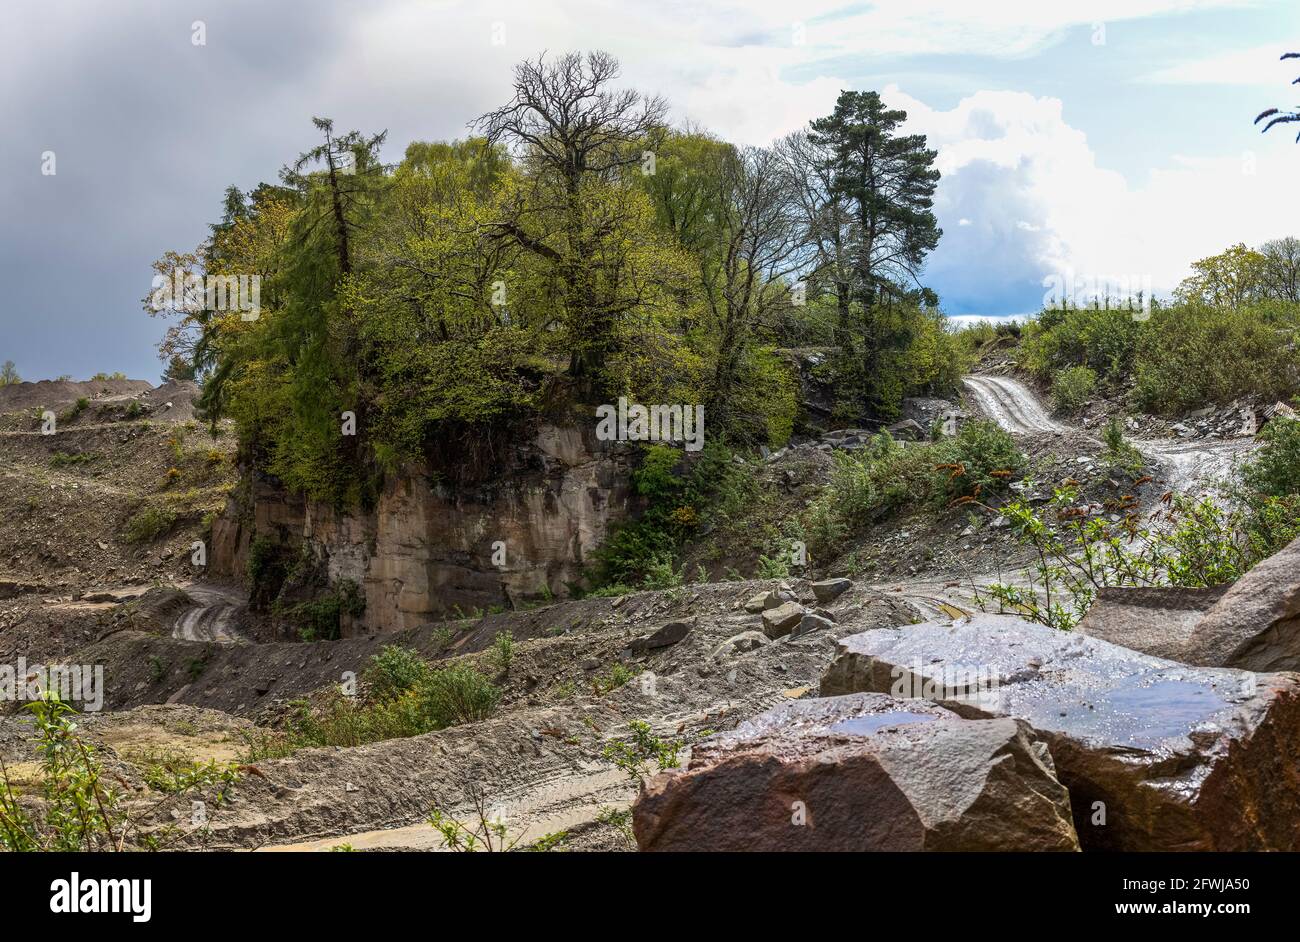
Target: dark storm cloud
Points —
{"points": [[147, 131]]}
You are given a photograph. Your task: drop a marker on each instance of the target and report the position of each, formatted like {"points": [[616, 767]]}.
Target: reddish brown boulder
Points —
{"points": [[1157, 755], [860, 773]]}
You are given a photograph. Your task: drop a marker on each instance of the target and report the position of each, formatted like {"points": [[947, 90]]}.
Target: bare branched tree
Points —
{"points": [[565, 120], [573, 133]]}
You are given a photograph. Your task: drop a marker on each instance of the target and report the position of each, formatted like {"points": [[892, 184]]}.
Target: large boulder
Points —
{"points": [[1253, 624], [1157, 755], [860, 773], [1157, 621], [1256, 625]]}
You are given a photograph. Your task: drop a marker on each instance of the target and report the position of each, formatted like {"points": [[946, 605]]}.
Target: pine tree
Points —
{"points": [[888, 181]]}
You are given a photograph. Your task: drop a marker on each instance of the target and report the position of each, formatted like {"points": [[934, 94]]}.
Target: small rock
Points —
{"points": [[780, 621], [828, 590], [810, 623], [739, 644]]}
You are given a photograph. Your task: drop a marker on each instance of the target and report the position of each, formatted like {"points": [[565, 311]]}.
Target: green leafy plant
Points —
{"points": [[643, 753], [1071, 388]]}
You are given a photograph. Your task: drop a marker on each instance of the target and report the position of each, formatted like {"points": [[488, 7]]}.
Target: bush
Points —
{"points": [[1196, 543], [1275, 468], [981, 460], [148, 524], [1071, 388], [1193, 354], [456, 694], [395, 670], [1101, 339]]}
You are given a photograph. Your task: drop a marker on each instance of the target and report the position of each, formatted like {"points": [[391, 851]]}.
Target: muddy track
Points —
{"points": [[1189, 466], [1011, 405], [213, 617]]}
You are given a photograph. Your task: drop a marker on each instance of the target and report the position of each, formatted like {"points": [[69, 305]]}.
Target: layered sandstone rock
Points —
{"points": [[426, 548], [1157, 755], [860, 773]]}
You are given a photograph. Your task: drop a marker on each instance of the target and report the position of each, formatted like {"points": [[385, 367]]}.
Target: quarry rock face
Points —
{"points": [[862, 772], [426, 547], [1157, 755]]}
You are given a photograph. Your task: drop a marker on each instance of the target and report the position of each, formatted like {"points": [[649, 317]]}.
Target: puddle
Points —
{"points": [[866, 725], [1142, 714]]}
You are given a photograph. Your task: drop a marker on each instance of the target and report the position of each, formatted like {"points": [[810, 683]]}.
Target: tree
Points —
{"points": [[1280, 272], [829, 230], [732, 209], [9, 374], [575, 137], [1229, 279], [351, 164], [887, 181], [1276, 115]]}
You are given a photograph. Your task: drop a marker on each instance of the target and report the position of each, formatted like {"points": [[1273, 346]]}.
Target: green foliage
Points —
{"points": [[620, 819], [1193, 354], [80, 811], [320, 619], [643, 753], [1071, 388], [266, 568], [1101, 339], [1198, 543], [869, 485], [772, 568], [148, 524], [394, 671], [66, 459], [1274, 469], [1119, 453], [616, 677], [435, 699], [503, 650], [483, 831], [979, 461], [683, 493]]}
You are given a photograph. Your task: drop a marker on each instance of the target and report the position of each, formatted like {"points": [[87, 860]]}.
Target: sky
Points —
{"points": [[1107, 141]]}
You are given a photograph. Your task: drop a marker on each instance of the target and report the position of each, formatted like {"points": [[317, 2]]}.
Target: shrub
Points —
{"points": [[1192, 354], [395, 670], [1274, 469], [1072, 387], [980, 460], [149, 524], [1196, 543], [1119, 453], [503, 650], [457, 694], [644, 753], [1102, 339]]}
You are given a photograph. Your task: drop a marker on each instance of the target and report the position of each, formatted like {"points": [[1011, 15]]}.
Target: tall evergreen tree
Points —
{"points": [[888, 181]]}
